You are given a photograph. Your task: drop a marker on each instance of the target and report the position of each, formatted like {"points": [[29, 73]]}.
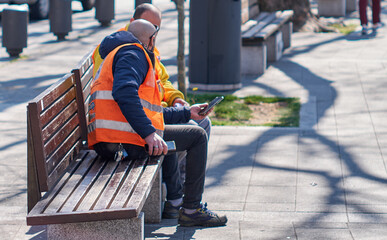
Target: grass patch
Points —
{"points": [[345, 29], [252, 110]]}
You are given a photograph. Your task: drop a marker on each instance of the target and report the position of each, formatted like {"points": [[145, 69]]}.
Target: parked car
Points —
{"points": [[39, 8]]}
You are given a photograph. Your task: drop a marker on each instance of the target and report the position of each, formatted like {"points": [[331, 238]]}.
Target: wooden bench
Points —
{"points": [[264, 36], [86, 196]]}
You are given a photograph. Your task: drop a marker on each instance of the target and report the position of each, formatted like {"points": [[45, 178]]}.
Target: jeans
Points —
{"points": [[190, 138]]}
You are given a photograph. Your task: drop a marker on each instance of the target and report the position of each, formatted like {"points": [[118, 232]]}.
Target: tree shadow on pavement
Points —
{"points": [[326, 95], [17, 91]]}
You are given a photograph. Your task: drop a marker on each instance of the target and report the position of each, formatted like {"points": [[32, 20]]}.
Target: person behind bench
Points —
{"points": [[126, 113]]}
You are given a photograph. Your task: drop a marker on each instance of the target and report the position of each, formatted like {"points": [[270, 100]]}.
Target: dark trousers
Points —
{"points": [[375, 11], [190, 138]]}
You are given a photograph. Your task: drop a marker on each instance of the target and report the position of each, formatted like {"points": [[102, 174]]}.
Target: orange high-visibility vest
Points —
{"points": [[106, 121], [167, 91]]}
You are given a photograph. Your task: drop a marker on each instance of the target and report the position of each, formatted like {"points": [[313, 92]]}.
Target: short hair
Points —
{"points": [[140, 9], [142, 30]]}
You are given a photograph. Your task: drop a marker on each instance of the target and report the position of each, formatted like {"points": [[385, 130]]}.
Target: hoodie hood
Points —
{"points": [[114, 40]]}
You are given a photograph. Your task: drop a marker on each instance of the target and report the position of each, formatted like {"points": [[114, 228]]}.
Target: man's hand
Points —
{"points": [[156, 145], [195, 109], [180, 101]]}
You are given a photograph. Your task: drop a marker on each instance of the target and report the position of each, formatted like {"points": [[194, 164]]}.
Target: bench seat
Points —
{"points": [[264, 37], [93, 189]]}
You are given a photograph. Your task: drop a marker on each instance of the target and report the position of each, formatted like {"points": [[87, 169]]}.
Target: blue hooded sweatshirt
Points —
{"points": [[130, 67]]}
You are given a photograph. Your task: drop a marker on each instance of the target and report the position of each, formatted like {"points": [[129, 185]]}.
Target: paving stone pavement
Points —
{"points": [[323, 180]]}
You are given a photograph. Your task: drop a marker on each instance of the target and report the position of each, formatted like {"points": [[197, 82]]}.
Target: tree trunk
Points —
{"points": [[180, 48]]}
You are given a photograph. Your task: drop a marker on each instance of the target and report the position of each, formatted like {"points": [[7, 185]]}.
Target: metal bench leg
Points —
{"points": [[122, 229], [254, 59], [153, 207]]}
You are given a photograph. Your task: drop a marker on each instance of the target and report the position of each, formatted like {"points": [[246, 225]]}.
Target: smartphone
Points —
{"points": [[170, 144], [211, 105]]}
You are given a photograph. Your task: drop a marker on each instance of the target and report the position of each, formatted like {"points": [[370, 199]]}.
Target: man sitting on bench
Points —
{"points": [[126, 113]]}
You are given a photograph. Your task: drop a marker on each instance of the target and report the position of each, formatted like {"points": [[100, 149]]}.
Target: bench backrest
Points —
{"points": [[54, 132], [250, 9], [83, 77]]}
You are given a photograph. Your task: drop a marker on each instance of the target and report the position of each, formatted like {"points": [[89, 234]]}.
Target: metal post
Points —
{"points": [[215, 45], [139, 2], [60, 18], [104, 11], [15, 21]]}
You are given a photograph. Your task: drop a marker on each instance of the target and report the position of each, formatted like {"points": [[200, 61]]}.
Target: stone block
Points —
{"points": [[153, 207], [253, 59], [287, 30], [351, 5], [275, 47], [122, 229], [331, 8]]}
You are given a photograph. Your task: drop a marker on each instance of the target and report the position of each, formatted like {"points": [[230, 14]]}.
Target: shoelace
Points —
{"points": [[204, 209]]}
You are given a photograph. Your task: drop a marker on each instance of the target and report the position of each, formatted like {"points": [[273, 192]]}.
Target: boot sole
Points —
{"points": [[193, 224]]}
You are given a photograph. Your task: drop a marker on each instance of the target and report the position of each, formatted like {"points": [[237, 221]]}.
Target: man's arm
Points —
{"points": [[170, 93], [130, 69]]}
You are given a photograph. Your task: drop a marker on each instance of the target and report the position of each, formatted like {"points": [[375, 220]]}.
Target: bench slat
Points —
{"points": [[41, 206], [65, 148], [86, 216], [86, 78], [86, 94], [128, 186], [143, 189], [99, 185], [85, 184], [113, 186], [51, 94], [286, 16], [252, 22], [62, 158], [69, 186], [84, 64], [59, 120], [83, 76], [261, 23], [274, 26], [62, 134], [57, 106]]}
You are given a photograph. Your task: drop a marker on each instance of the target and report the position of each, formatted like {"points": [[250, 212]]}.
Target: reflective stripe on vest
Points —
{"points": [[107, 95], [114, 125]]}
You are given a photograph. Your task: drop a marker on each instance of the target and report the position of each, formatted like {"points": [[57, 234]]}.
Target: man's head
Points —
{"points": [[145, 32], [148, 12]]}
